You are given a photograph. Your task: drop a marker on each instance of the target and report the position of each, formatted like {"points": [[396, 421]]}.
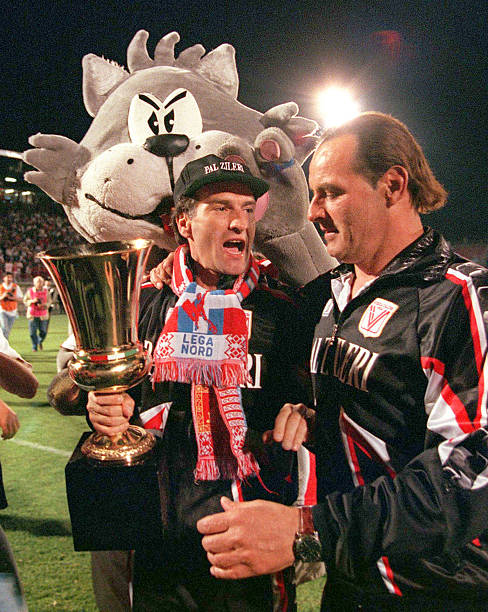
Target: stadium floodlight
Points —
{"points": [[336, 106]]}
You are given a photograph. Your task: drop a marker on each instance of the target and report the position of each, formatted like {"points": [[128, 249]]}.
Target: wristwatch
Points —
{"points": [[307, 546]]}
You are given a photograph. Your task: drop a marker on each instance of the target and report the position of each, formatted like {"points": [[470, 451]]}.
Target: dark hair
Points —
{"points": [[184, 205], [383, 142]]}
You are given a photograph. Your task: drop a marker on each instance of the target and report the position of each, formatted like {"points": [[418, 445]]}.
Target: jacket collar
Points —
{"points": [[428, 257]]}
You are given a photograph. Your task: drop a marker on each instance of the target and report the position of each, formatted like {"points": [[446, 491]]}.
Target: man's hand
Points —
{"points": [[293, 426], [249, 538], [110, 412], [9, 422], [163, 272], [16, 376]]}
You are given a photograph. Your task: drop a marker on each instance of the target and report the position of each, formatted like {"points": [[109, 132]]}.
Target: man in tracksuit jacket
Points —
{"points": [[400, 392]]}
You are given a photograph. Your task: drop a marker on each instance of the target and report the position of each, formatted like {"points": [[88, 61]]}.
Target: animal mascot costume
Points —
{"points": [[149, 121]]}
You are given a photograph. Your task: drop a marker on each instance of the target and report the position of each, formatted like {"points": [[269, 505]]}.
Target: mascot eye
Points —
{"points": [[145, 118], [177, 114], [154, 124], [169, 121], [182, 114]]}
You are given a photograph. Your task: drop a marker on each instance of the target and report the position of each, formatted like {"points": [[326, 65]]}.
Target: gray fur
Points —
{"points": [[126, 179]]}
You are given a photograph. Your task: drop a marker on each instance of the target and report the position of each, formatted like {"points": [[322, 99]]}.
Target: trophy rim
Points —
{"points": [[94, 249]]}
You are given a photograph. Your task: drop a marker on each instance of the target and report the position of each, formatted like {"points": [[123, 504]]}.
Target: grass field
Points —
{"points": [[55, 577]]}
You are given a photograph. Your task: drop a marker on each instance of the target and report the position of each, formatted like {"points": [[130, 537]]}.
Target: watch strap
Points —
{"points": [[305, 520]]}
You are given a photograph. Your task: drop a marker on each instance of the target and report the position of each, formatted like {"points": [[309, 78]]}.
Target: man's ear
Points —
{"points": [[183, 222], [395, 181]]}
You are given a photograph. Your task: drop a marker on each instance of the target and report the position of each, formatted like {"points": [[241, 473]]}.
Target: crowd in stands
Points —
{"points": [[23, 233]]}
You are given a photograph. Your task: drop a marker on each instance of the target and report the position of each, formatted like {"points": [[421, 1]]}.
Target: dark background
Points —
{"points": [[429, 70]]}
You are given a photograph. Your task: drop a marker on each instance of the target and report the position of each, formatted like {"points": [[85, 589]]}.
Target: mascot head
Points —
{"points": [[149, 121]]}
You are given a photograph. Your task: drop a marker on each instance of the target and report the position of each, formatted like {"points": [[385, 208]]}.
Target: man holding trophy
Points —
{"points": [[223, 365]]}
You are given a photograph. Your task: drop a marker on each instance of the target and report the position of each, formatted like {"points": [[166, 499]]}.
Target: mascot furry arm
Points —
{"points": [[152, 119]]}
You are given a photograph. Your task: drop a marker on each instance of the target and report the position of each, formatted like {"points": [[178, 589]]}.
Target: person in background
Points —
{"points": [[37, 301], [15, 377], [400, 415], [10, 294]]}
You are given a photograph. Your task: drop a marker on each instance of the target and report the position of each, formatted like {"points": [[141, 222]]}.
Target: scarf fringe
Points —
{"points": [[207, 468], [246, 465], [228, 374]]}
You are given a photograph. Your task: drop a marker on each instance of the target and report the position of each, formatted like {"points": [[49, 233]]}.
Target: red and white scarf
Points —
{"points": [[204, 342]]}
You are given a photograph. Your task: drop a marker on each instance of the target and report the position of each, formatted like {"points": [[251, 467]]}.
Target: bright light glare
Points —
{"points": [[337, 106], [140, 243]]}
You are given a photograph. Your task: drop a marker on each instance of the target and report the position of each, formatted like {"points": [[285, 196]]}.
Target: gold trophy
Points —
{"points": [[99, 285], [114, 485]]}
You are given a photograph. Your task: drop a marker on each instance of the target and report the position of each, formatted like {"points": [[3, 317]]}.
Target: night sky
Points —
{"points": [[429, 70]]}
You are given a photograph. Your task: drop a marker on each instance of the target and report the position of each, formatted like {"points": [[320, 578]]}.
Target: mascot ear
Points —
{"points": [[262, 204], [100, 77], [219, 67], [299, 129]]}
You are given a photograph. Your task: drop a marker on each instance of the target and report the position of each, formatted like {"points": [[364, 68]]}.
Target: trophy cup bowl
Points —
{"points": [[99, 285]]}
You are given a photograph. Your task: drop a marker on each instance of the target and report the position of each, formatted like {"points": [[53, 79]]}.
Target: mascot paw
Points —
{"points": [[56, 158]]}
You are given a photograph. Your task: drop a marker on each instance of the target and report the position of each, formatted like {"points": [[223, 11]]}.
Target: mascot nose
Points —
{"points": [[167, 145]]}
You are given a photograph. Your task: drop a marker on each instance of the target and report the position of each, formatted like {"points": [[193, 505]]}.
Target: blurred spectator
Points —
{"points": [[38, 301], [10, 294]]}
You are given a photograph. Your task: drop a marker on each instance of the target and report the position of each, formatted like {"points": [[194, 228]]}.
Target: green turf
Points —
{"points": [[55, 577]]}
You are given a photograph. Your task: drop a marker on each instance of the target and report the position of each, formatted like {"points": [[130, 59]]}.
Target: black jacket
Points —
{"points": [[275, 359], [401, 401]]}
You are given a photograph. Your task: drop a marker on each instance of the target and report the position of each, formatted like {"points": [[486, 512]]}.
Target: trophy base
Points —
{"points": [[128, 448], [115, 506]]}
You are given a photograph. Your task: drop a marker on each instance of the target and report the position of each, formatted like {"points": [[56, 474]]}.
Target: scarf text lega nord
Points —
{"points": [[204, 342]]}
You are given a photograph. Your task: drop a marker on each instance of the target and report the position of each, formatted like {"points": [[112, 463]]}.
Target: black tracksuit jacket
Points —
{"points": [[400, 386], [277, 368]]}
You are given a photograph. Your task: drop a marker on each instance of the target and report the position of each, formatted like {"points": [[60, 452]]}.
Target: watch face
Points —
{"points": [[307, 548]]}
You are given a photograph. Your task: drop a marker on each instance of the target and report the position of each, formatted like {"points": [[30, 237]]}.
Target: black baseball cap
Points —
{"points": [[213, 169]]}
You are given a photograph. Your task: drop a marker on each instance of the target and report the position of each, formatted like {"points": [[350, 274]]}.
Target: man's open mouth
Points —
{"points": [[235, 246], [326, 228]]}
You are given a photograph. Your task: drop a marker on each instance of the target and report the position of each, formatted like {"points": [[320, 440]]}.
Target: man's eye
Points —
{"points": [[326, 195], [334, 194]]}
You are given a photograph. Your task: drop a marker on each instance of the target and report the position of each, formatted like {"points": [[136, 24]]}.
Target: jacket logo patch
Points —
{"points": [[375, 317]]}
